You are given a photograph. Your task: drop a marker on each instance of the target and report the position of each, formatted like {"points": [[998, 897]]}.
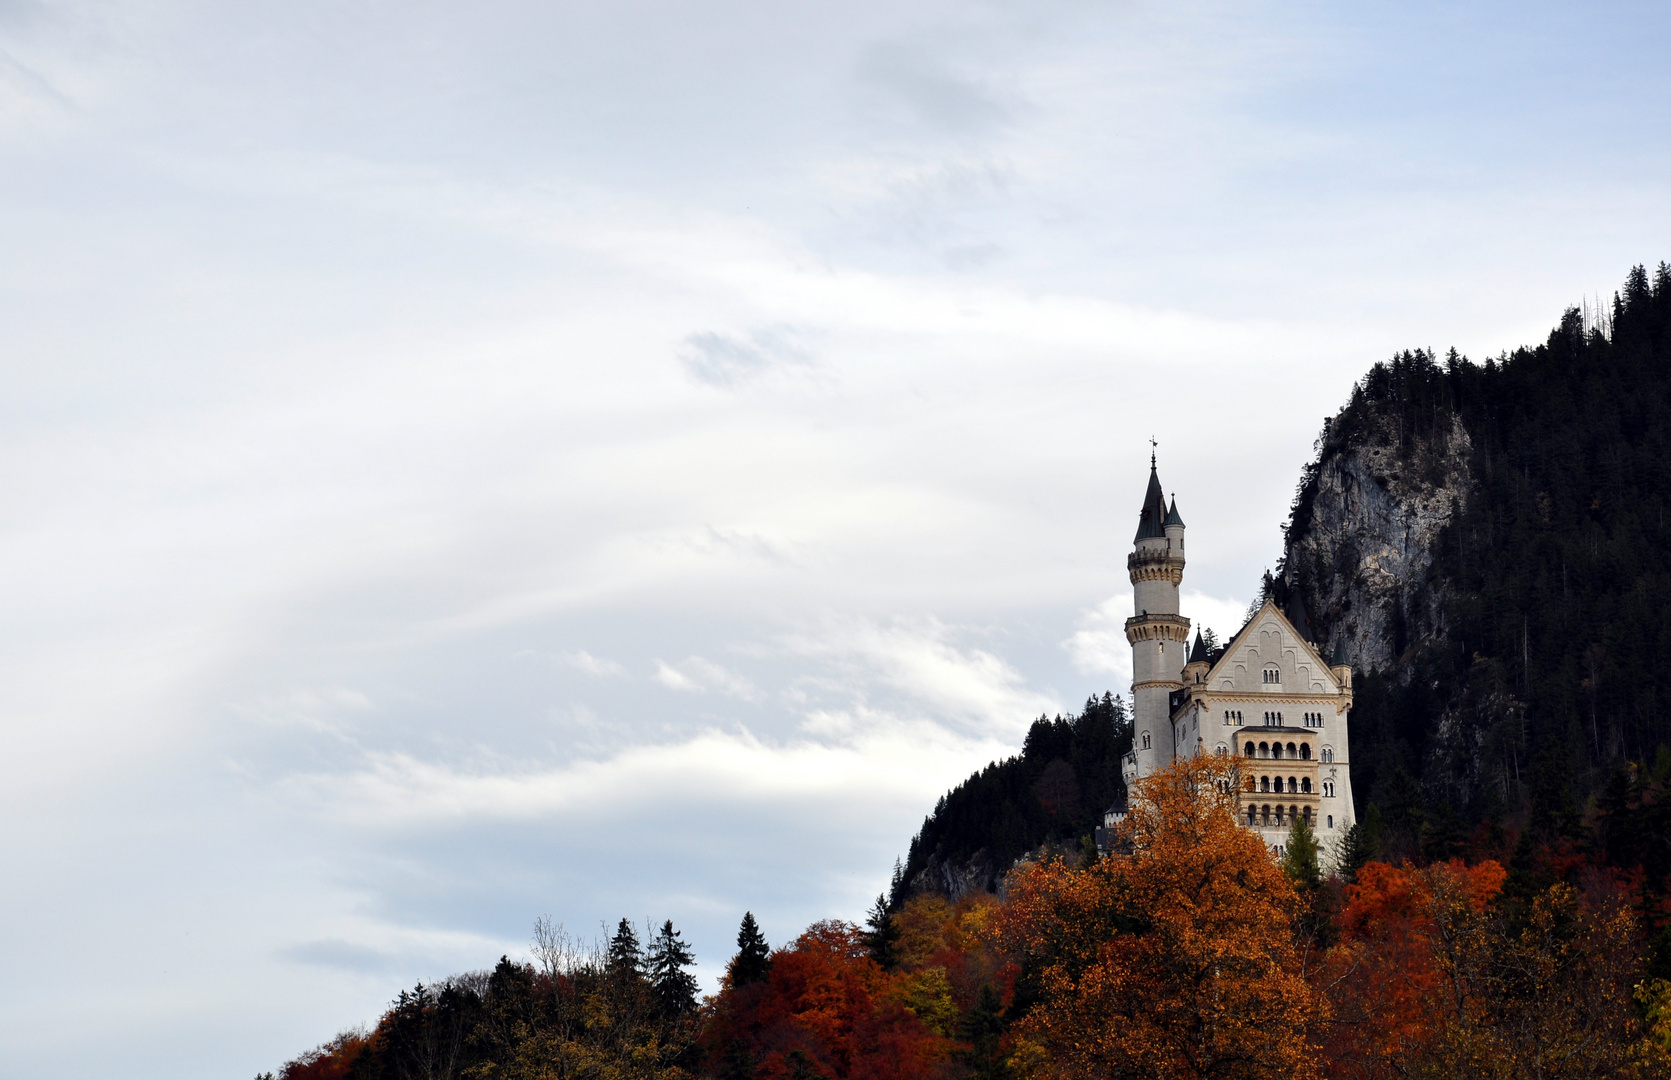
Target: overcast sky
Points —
{"points": [[470, 461]]}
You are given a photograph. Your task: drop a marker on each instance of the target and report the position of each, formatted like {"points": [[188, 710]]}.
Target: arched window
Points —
{"points": [[1305, 751], [1306, 813], [1276, 750], [1327, 754], [1145, 740], [1250, 785], [1222, 751], [1264, 783], [1271, 676], [1331, 821], [1305, 785], [1293, 786], [1249, 749], [1279, 821], [1252, 815], [1292, 752], [1264, 749]]}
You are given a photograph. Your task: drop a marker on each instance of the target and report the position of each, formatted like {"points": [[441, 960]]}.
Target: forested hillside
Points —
{"points": [[1053, 792], [1528, 660]]}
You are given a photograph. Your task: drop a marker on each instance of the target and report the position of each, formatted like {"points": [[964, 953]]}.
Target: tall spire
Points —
{"points": [[1152, 523]]}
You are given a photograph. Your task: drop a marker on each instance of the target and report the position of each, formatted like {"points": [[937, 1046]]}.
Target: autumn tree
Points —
{"points": [[1173, 961]]}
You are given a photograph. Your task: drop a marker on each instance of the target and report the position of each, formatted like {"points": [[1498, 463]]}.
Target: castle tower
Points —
{"points": [[1157, 632]]}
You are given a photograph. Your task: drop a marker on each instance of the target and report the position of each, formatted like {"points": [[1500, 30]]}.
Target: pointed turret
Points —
{"points": [[1339, 657], [1172, 517], [1152, 524], [1198, 651]]}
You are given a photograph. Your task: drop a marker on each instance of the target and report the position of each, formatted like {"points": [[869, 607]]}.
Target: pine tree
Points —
{"points": [[626, 959], [882, 935], [1299, 857], [1361, 844], [753, 962], [674, 987]]}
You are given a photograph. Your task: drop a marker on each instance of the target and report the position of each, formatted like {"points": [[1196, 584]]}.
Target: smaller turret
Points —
{"points": [[1341, 668], [1195, 672]]}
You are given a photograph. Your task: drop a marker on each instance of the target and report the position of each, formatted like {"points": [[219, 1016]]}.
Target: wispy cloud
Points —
{"points": [[694, 675], [726, 359], [581, 660]]}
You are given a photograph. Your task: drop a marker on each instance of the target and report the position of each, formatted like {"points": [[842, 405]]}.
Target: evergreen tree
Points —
{"points": [[983, 1029], [753, 962], [626, 958], [881, 935], [1361, 844], [674, 987], [1299, 857]]}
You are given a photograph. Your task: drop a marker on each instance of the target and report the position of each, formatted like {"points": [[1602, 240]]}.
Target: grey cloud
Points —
{"points": [[722, 360], [925, 94]]}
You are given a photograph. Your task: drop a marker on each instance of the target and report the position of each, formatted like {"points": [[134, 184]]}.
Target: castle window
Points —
{"points": [[1306, 813], [1264, 749], [1293, 786], [1249, 749], [1292, 752], [1264, 783], [1327, 754], [1222, 750], [1305, 785], [1271, 677], [1145, 740], [1252, 816], [1305, 751], [1331, 821]]}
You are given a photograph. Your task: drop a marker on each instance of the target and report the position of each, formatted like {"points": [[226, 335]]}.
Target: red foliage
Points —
{"points": [[329, 1061], [826, 1011]]}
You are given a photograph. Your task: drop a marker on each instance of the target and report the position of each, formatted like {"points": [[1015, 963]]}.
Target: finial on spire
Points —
{"points": [[1152, 445]]}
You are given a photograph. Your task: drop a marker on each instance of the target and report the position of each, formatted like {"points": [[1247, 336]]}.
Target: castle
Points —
{"points": [[1267, 696]]}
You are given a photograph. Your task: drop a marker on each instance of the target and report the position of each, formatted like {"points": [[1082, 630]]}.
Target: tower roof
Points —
{"points": [[1339, 657], [1153, 521], [1198, 653], [1172, 517]]}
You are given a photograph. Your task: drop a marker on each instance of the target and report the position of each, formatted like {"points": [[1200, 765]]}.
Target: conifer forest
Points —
{"points": [[1502, 908]]}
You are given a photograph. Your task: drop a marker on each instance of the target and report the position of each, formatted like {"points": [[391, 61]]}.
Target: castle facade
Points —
{"points": [[1266, 696]]}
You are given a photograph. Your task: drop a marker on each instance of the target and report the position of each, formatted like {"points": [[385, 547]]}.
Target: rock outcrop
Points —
{"points": [[1364, 530]]}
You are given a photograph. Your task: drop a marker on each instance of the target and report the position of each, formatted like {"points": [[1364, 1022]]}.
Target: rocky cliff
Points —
{"points": [[1364, 528]]}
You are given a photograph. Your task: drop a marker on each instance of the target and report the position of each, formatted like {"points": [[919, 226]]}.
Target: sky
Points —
{"points": [[471, 462]]}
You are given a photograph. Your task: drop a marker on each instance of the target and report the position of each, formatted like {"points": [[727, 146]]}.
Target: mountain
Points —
{"points": [[1490, 543]]}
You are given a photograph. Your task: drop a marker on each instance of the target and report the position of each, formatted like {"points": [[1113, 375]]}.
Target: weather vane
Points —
{"points": [[1152, 445]]}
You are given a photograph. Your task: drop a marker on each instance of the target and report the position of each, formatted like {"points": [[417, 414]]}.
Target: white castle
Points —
{"points": [[1267, 696]]}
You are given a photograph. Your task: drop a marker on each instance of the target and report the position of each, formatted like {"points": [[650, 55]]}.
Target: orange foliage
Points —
{"points": [[1388, 974], [330, 1061], [1175, 961]]}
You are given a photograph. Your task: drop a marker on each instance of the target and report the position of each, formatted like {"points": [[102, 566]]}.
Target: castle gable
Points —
{"points": [[1269, 656]]}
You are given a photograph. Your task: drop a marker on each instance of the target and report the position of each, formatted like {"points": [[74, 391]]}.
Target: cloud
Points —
{"points": [[865, 755], [1099, 643], [922, 661], [694, 675], [723, 360], [581, 660], [1098, 646]]}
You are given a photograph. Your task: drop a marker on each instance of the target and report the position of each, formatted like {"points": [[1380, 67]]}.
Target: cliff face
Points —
{"points": [[1364, 529]]}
